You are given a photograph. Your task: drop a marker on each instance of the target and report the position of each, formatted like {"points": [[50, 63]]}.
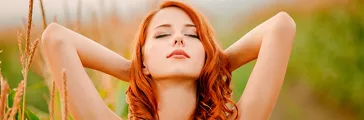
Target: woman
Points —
{"points": [[177, 70]]}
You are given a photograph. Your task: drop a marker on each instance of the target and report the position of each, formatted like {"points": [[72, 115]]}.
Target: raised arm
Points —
{"points": [[65, 49], [94, 55], [247, 47], [270, 42]]}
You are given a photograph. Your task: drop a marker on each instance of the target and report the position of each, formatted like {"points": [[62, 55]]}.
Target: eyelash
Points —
{"points": [[164, 35], [194, 36]]}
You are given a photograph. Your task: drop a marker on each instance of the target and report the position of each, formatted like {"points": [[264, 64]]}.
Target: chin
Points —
{"points": [[176, 71], [189, 74], [178, 74]]}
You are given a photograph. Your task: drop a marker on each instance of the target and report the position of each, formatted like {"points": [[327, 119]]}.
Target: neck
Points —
{"points": [[176, 96]]}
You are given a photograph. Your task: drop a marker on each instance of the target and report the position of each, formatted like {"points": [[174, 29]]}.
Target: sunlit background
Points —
{"points": [[325, 77]]}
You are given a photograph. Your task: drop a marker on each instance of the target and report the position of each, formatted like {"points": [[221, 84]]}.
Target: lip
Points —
{"points": [[178, 53]]}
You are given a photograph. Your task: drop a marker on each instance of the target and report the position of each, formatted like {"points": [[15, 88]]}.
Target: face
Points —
{"points": [[173, 49]]}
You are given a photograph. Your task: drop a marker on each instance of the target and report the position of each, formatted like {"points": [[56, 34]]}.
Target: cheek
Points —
{"points": [[198, 62], [199, 51], [153, 52]]}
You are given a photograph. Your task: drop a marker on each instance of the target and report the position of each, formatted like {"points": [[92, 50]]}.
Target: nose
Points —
{"points": [[178, 41]]}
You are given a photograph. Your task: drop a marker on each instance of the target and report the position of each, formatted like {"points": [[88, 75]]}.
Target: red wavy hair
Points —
{"points": [[213, 88]]}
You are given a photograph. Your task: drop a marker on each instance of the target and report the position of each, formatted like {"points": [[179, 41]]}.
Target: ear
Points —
{"points": [[145, 69]]}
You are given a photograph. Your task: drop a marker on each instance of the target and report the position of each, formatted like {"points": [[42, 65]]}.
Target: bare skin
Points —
{"points": [[174, 77], [270, 43]]}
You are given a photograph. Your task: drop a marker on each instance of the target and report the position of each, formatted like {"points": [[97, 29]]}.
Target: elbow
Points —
{"points": [[285, 24], [51, 37]]}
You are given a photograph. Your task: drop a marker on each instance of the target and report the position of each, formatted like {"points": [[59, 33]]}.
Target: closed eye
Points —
{"points": [[192, 35], [162, 35]]}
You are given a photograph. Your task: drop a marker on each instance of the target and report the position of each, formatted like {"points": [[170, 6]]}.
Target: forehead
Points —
{"points": [[170, 15]]}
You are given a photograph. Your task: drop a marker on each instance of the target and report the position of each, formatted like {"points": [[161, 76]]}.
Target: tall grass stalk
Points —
{"points": [[28, 53], [44, 20], [3, 96], [65, 95]]}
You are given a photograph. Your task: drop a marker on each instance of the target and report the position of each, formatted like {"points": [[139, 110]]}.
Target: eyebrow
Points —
{"points": [[169, 25]]}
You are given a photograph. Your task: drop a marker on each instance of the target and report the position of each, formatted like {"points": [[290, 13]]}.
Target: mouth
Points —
{"points": [[179, 54]]}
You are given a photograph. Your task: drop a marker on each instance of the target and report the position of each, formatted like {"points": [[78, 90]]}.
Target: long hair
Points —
{"points": [[213, 88]]}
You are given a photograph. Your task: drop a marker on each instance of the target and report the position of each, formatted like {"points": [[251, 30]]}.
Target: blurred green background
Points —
{"points": [[325, 76]]}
